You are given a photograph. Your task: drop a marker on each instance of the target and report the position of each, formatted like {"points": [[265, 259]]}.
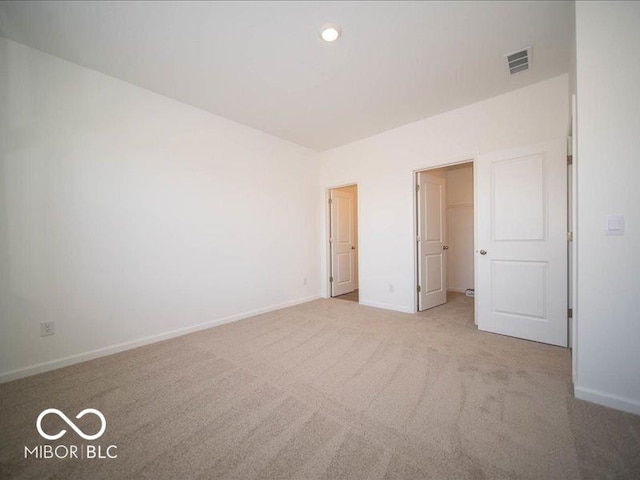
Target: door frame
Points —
{"points": [[414, 248], [327, 196], [573, 252]]}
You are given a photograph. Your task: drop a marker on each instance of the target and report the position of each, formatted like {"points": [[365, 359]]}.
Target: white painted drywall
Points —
{"points": [[608, 167], [127, 217], [263, 63], [383, 167], [460, 228]]}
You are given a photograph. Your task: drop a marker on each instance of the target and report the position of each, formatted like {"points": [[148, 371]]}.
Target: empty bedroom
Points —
{"points": [[319, 240]]}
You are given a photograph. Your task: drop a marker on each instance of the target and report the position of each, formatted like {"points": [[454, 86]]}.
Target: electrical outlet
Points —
{"points": [[47, 328], [391, 288], [304, 281]]}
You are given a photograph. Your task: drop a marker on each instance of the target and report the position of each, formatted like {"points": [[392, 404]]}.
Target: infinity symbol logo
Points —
{"points": [[71, 424]]}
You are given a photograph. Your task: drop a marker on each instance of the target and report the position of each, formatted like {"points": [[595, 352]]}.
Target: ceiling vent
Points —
{"points": [[519, 61]]}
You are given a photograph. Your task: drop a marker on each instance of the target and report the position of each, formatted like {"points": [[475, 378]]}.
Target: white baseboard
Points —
{"points": [[386, 306], [608, 400], [456, 290], [120, 347]]}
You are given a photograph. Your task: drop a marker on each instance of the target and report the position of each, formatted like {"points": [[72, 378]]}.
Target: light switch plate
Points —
{"points": [[615, 225]]}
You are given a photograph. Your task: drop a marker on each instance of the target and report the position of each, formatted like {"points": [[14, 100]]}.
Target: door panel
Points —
{"points": [[431, 253], [343, 273], [508, 296], [343, 241], [434, 273], [343, 217], [521, 286], [518, 181], [433, 212]]}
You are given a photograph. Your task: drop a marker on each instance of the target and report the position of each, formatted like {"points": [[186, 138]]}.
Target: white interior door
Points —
{"points": [[431, 241], [521, 256], [343, 238]]}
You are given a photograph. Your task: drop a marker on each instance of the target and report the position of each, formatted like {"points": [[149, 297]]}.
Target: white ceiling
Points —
{"points": [[263, 64]]}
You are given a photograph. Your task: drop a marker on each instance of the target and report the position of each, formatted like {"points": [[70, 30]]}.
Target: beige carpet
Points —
{"points": [[328, 389], [351, 296]]}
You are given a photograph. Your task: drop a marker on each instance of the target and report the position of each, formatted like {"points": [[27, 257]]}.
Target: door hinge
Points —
{"points": [[417, 188], [569, 236], [330, 240], [330, 201], [330, 279], [569, 159], [419, 289], [418, 239], [570, 313]]}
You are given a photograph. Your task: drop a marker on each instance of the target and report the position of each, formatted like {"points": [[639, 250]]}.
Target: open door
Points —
{"points": [[521, 256], [343, 241], [432, 267]]}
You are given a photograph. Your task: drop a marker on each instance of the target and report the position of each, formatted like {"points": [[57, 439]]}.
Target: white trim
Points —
{"points": [[386, 306], [457, 290], [120, 347], [576, 238], [608, 400]]}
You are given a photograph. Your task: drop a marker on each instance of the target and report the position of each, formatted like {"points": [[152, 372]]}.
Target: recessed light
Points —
{"points": [[330, 33]]}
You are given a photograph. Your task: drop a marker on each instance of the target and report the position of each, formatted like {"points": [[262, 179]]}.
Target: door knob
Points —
{"points": [[483, 252], [352, 247], [445, 247]]}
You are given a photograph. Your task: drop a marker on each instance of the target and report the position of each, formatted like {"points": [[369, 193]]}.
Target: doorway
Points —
{"points": [[343, 243], [445, 234], [520, 241]]}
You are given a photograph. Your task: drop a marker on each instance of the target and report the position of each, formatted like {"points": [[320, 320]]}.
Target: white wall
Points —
{"points": [[460, 228], [383, 167], [608, 165], [125, 215]]}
